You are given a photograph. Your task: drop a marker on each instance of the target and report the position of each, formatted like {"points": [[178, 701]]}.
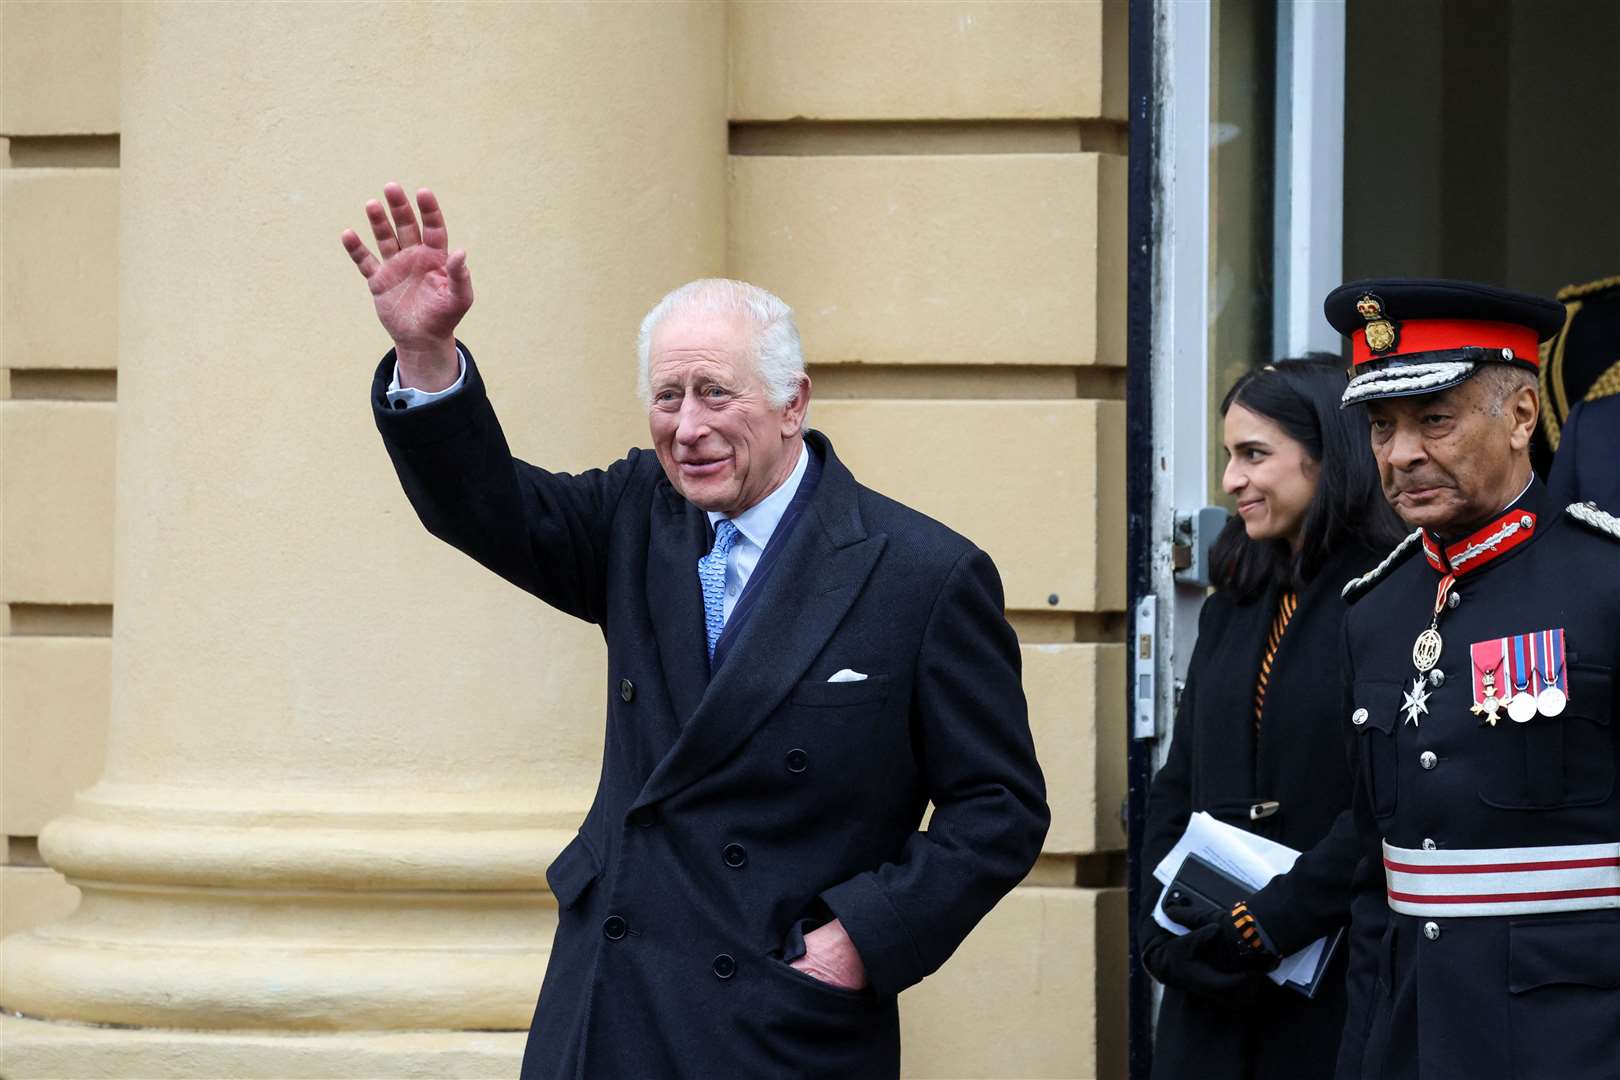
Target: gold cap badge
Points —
{"points": [[1382, 334]]}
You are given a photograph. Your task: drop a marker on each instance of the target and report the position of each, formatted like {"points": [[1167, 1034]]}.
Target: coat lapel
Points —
{"points": [[680, 537], [823, 568]]}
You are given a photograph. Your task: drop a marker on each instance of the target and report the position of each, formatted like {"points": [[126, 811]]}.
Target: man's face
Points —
{"points": [[1446, 461], [721, 444]]}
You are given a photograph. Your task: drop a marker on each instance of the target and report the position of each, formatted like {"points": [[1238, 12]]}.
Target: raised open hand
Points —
{"points": [[420, 288]]}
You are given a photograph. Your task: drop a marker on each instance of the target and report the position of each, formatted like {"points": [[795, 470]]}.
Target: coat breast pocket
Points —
{"points": [[1375, 710], [1559, 761], [820, 694]]}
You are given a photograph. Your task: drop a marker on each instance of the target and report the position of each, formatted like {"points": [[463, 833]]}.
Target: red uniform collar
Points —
{"points": [[1504, 533]]}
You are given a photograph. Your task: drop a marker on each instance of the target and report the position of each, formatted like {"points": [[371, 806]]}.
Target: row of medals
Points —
{"points": [[1522, 707]]}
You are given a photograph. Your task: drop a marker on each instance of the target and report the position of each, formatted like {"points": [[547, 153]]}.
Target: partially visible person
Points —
{"points": [[1257, 740], [1587, 466], [1483, 680], [1580, 391]]}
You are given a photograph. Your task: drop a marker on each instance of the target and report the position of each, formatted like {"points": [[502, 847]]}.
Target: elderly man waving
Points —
{"points": [[798, 666]]}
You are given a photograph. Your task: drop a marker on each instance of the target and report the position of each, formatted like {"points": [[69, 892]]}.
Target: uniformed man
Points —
{"points": [[1482, 660], [1580, 393]]}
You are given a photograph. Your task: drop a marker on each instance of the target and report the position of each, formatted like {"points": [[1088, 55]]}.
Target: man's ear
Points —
{"points": [[795, 411], [1524, 407]]}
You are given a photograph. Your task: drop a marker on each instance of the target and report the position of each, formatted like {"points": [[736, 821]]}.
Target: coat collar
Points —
{"points": [[824, 566]]}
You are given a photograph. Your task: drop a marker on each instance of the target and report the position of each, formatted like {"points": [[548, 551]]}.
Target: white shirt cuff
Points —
{"points": [[408, 397]]}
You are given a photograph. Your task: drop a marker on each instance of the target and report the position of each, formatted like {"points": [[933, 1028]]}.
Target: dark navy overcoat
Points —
{"points": [[1294, 765], [737, 810]]}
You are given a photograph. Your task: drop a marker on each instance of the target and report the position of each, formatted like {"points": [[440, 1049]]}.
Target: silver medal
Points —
{"points": [[1522, 708], [1551, 701]]}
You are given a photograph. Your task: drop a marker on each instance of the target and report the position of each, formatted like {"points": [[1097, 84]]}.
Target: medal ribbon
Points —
{"points": [[1521, 677], [1487, 659], [1552, 668], [1441, 592]]}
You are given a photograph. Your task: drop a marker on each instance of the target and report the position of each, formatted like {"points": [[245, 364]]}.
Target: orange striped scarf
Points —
{"points": [[1286, 607]]}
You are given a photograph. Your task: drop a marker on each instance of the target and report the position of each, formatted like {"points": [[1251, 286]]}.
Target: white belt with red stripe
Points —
{"points": [[1502, 881]]}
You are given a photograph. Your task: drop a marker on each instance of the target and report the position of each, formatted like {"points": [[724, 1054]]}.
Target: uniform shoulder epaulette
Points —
{"points": [[1588, 514], [1357, 585]]}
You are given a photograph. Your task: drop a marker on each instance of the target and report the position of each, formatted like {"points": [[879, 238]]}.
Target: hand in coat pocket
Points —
{"points": [[830, 956]]}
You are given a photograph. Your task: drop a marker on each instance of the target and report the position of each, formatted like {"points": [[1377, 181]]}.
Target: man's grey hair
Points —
{"points": [[1502, 381], [778, 356]]}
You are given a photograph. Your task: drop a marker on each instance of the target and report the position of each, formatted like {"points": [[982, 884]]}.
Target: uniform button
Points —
{"points": [[1453, 600], [643, 817], [1431, 930], [735, 855], [1427, 759], [724, 966], [627, 690], [614, 927], [1429, 845], [1437, 677], [1358, 717], [797, 761]]}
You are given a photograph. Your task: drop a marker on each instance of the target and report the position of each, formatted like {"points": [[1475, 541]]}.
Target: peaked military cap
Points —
{"points": [[1412, 336]]}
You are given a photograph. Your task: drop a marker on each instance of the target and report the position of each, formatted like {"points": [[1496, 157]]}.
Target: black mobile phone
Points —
{"points": [[1205, 887]]}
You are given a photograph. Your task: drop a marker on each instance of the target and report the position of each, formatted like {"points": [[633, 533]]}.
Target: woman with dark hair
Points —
{"points": [[1259, 741]]}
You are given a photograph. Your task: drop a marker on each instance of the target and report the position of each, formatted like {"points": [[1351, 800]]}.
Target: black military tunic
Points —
{"points": [[1528, 996]]}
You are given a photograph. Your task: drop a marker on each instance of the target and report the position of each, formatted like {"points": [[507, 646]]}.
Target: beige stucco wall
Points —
{"points": [[230, 679]]}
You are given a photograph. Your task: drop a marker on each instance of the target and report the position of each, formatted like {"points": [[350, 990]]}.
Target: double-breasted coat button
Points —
{"points": [[643, 817], [797, 760], [1431, 930], [627, 690], [1429, 845], [1358, 717], [735, 855], [614, 927], [1427, 759], [724, 966]]}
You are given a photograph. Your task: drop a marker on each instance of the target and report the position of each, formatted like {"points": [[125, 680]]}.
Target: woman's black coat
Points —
{"points": [[1301, 761]]}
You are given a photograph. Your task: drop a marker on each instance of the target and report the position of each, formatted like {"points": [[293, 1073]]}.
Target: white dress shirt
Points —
{"points": [[755, 526]]}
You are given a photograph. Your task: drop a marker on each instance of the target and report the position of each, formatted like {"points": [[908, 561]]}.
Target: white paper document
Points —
{"points": [[1251, 859]]}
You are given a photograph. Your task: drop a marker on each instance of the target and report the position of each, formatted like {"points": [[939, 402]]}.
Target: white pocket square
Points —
{"points": [[846, 675]]}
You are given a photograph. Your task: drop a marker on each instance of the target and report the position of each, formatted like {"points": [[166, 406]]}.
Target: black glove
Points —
{"points": [[1241, 947], [1183, 963]]}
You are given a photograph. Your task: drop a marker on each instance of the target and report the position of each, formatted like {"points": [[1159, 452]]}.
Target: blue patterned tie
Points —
{"points": [[712, 573]]}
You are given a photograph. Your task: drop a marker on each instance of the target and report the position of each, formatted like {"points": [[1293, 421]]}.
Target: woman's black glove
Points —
{"points": [[1187, 962], [1241, 947]]}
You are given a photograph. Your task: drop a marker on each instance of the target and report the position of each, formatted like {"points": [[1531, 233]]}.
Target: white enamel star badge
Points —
{"points": [[1417, 701]]}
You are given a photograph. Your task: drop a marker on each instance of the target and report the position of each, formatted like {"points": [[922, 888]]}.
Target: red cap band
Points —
{"points": [[1431, 335]]}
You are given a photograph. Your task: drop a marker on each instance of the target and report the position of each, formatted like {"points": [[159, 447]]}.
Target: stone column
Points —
{"points": [[340, 754]]}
